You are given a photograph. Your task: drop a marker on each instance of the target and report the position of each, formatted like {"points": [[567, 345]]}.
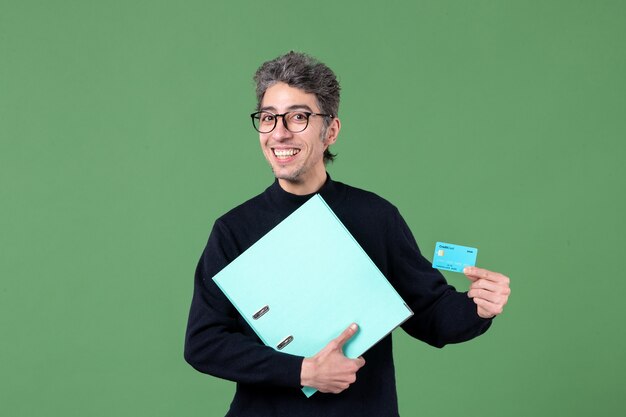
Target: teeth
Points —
{"points": [[284, 153]]}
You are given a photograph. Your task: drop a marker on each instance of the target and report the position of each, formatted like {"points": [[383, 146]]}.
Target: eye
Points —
{"points": [[267, 117], [298, 117]]}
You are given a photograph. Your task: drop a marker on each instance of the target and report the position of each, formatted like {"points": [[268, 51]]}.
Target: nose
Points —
{"points": [[280, 132]]}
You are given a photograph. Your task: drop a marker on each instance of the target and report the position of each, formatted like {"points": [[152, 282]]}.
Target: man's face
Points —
{"points": [[297, 159]]}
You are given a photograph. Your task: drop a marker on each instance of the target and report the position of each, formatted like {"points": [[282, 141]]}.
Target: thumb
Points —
{"points": [[346, 335]]}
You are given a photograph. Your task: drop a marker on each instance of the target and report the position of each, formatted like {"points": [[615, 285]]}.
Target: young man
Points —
{"points": [[298, 100]]}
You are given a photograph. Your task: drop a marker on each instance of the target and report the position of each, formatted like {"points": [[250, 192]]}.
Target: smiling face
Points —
{"points": [[297, 159]]}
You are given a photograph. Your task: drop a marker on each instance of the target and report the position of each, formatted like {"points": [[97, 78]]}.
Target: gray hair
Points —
{"points": [[302, 71]]}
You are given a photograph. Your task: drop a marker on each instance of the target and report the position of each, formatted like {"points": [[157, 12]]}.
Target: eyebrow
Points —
{"points": [[290, 108]]}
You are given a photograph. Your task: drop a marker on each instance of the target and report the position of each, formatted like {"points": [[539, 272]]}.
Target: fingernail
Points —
{"points": [[466, 270], [353, 327]]}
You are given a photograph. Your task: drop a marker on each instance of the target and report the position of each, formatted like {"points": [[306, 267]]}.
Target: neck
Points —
{"points": [[310, 186]]}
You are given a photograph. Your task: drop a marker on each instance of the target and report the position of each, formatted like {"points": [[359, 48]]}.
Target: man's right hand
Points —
{"points": [[329, 370]]}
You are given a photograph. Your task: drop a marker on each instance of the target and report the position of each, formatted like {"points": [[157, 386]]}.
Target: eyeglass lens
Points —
{"points": [[294, 121]]}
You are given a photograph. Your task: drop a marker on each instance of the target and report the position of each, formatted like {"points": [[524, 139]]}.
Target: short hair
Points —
{"points": [[302, 71]]}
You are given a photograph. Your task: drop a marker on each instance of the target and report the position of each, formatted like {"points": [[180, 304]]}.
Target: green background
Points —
{"points": [[124, 133]]}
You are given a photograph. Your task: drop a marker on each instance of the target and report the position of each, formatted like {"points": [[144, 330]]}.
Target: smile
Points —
{"points": [[285, 153]]}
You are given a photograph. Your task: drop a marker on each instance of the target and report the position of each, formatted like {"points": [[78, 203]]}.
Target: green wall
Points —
{"points": [[124, 133]]}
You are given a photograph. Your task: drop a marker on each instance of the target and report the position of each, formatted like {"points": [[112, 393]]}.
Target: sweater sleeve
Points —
{"points": [[442, 315], [214, 341]]}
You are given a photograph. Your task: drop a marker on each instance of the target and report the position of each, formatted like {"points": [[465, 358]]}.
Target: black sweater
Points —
{"points": [[219, 341]]}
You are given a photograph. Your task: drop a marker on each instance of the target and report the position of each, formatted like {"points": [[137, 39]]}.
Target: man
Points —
{"points": [[298, 100]]}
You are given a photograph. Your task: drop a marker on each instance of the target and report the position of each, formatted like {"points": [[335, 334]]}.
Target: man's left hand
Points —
{"points": [[489, 290]]}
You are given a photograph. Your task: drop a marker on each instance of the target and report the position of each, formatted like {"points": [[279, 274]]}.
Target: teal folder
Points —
{"points": [[306, 281]]}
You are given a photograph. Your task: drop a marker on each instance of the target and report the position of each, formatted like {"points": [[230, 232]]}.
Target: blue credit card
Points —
{"points": [[453, 257]]}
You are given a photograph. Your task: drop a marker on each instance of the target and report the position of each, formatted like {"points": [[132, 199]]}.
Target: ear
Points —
{"points": [[332, 131]]}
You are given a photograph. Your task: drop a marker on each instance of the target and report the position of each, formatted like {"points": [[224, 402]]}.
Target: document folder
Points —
{"points": [[306, 281]]}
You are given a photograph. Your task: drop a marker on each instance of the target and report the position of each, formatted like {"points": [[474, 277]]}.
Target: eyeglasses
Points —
{"points": [[294, 121]]}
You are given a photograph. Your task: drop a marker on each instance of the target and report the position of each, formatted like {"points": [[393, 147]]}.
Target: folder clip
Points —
{"points": [[284, 343], [260, 313]]}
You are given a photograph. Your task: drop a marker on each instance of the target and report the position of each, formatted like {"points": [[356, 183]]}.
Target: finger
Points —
{"points": [[360, 361], [497, 287], [484, 284], [345, 335], [487, 308], [491, 296], [474, 273], [467, 271], [484, 313]]}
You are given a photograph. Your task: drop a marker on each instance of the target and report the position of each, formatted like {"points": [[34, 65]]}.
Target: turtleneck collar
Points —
{"points": [[329, 191]]}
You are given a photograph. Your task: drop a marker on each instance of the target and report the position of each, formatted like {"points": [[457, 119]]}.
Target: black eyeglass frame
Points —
{"points": [[257, 115]]}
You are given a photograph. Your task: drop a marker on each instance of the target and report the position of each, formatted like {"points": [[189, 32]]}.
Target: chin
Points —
{"points": [[293, 176]]}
